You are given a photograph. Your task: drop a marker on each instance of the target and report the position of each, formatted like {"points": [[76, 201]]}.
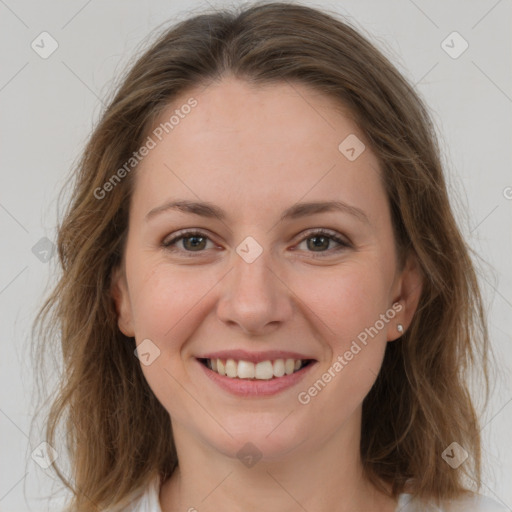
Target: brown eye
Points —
{"points": [[191, 241], [320, 241], [194, 242]]}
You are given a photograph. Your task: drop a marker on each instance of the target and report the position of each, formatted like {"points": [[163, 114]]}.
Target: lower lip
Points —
{"points": [[247, 387]]}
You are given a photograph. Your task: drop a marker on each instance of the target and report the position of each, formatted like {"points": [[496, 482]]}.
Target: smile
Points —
{"points": [[263, 370]]}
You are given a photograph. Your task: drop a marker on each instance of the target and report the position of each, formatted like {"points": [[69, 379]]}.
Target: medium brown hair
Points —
{"points": [[118, 435]]}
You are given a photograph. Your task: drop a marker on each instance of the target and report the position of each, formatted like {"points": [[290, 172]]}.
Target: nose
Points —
{"points": [[254, 298]]}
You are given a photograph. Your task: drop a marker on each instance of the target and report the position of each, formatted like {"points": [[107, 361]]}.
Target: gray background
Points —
{"points": [[50, 105]]}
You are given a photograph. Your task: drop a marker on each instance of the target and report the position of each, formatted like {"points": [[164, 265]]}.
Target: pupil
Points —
{"points": [[322, 245], [194, 243]]}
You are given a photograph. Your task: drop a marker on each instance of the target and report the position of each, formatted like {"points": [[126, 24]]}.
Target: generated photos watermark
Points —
{"points": [[305, 397], [151, 142]]}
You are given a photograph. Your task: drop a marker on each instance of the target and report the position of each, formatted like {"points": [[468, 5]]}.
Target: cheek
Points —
{"points": [[166, 301], [168, 305], [346, 300], [348, 304]]}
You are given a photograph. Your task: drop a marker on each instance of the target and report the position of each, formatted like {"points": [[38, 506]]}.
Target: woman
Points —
{"points": [[265, 302]]}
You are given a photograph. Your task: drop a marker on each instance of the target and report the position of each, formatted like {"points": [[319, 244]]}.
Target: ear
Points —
{"points": [[407, 293], [119, 292]]}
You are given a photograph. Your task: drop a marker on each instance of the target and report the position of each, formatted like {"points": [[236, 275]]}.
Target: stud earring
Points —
{"points": [[400, 328]]}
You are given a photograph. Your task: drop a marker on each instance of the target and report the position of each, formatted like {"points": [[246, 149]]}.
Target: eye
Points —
{"points": [[191, 241], [320, 240]]}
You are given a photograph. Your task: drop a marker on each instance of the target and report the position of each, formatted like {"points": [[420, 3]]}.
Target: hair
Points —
{"points": [[117, 434]]}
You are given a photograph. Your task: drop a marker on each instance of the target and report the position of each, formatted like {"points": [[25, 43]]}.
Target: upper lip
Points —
{"points": [[254, 357]]}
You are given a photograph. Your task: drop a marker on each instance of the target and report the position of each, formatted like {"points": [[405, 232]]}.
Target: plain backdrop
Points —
{"points": [[49, 106]]}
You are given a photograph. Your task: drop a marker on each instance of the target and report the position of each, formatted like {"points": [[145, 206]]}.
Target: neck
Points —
{"points": [[326, 478]]}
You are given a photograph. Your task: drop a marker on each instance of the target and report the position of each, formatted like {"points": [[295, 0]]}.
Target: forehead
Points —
{"points": [[249, 147]]}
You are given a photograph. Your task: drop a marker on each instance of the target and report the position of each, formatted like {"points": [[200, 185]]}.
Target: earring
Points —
{"points": [[400, 328]]}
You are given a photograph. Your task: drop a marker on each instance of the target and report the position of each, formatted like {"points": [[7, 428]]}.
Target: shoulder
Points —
{"points": [[474, 503], [149, 501]]}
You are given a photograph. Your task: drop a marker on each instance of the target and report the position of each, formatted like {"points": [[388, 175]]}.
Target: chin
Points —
{"points": [[266, 438]]}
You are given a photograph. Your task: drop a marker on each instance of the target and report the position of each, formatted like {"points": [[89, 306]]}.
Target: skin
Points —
{"points": [[254, 151]]}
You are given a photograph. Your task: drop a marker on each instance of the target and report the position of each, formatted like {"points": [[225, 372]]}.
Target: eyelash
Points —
{"points": [[168, 244]]}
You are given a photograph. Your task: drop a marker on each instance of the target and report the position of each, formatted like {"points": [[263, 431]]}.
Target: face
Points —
{"points": [[264, 273]]}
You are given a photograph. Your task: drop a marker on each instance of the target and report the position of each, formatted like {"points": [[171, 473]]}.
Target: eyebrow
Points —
{"points": [[209, 210]]}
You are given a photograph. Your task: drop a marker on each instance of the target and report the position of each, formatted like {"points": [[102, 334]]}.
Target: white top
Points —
{"points": [[149, 502]]}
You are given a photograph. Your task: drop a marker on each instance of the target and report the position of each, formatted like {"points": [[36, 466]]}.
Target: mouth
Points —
{"points": [[270, 369], [249, 374]]}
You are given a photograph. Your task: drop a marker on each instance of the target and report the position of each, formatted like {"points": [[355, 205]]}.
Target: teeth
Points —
{"points": [[279, 369], [264, 370], [231, 368], [245, 370], [289, 365]]}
